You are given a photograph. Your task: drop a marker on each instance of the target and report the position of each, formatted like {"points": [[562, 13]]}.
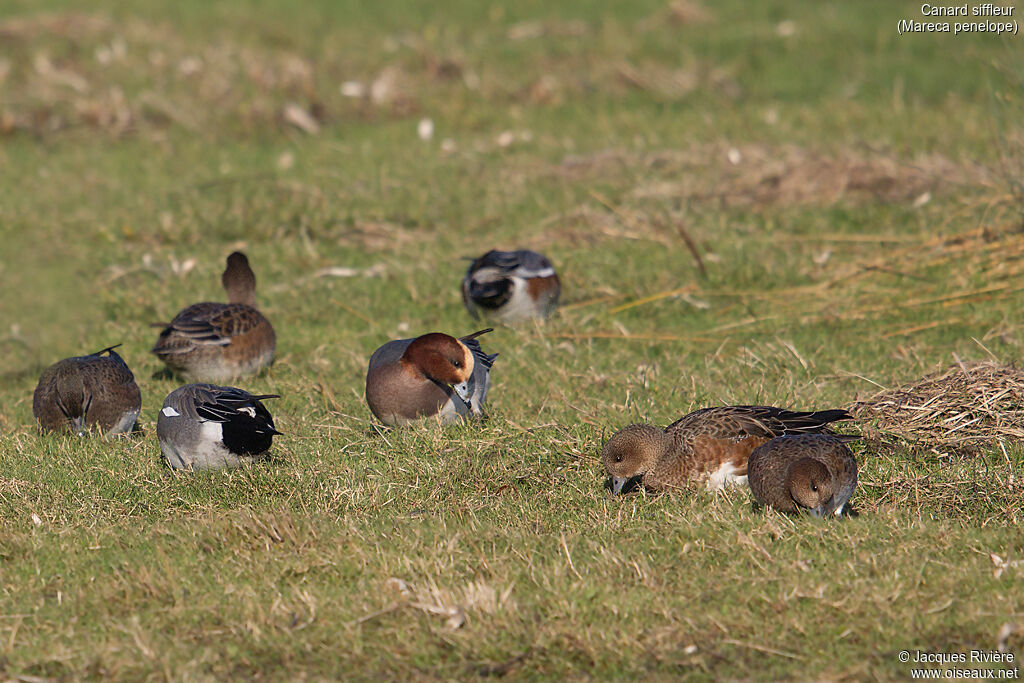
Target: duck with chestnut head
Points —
{"points": [[432, 376], [813, 473], [710, 446]]}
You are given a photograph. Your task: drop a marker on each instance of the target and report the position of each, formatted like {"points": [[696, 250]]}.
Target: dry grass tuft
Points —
{"points": [[760, 175], [963, 409]]}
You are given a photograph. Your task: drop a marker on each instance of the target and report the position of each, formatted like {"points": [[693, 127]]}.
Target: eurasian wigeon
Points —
{"points": [[204, 426], [511, 287], [79, 393], [213, 341], [711, 445], [816, 473], [434, 375]]}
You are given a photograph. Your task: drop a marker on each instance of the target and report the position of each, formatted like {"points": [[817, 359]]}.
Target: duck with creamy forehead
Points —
{"points": [[431, 376], [709, 446], [815, 473]]}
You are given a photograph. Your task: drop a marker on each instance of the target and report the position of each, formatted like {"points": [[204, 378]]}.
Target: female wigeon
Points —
{"points": [[511, 287], [203, 426], [711, 445], [78, 393], [430, 376], [215, 341], [816, 473]]}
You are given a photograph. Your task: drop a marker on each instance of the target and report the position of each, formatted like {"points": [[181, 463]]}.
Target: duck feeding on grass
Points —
{"points": [[204, 426], [80, 393], [709, 446], [813, 473], [432, 376]]}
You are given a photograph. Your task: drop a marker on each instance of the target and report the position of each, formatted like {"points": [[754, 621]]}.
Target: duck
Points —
{"points": [[205, 427], [814, 473], [77, 394], [432, 376], [216, 342], [510, 287], [709, 446]]}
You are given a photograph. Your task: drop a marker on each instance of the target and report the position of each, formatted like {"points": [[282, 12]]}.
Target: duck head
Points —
{"points": [[632, 451], [810, 486], [442, 359]]}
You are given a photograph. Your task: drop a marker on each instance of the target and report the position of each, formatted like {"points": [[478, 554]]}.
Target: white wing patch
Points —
{"points": [[726, 474], [170, 412], [248, 410], [527, 273]]}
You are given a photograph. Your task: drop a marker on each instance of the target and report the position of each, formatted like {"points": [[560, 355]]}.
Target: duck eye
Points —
{"points": [[618, 458], [457, 363]]}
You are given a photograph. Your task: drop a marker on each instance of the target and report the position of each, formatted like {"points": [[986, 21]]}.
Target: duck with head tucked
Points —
{"points": [[204, 426], [214, 341], [511, 287], [813, 473], [709, 446], [432, 376], [76, 394]]}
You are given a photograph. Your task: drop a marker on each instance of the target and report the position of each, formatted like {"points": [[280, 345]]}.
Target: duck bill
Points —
{"points": [[462, 389], [617, 484]]}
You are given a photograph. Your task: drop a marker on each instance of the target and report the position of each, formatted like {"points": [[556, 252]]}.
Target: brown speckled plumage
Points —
{"points": [[805, 472], [709, 445], [77, 394], [217, 341]]}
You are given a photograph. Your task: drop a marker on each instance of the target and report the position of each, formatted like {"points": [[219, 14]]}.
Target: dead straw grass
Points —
{"points": [[961, 410]]}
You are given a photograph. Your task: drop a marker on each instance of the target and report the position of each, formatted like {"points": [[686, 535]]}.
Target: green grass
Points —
{"points": [[493, 548]]}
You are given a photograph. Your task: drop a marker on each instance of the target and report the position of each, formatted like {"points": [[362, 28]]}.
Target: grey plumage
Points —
{"points": [[204, 426], [406, 383]]}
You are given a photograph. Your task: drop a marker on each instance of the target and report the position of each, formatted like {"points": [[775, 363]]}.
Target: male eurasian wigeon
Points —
{"points": [[816, 473], [433, 376], [511, 287], [213, 341], [203, 426], [709, 445], [78, 393]]}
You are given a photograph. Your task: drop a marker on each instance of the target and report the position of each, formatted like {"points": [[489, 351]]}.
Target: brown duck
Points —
{"points": [[815, 473], [710, 445], [77, 394], [213, 341]]}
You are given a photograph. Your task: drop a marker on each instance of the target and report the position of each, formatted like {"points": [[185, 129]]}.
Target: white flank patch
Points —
{"points": [[170, 412], [527, 273], [726, 474], [211, 431]]}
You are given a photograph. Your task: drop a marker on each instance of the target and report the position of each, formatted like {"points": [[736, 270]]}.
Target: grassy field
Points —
{"points": [[853, 197]]}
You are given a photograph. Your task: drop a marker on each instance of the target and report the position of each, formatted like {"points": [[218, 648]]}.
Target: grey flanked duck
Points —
{"points": [[204, 426], [215, 341], [434, 376], [80, 393]]}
